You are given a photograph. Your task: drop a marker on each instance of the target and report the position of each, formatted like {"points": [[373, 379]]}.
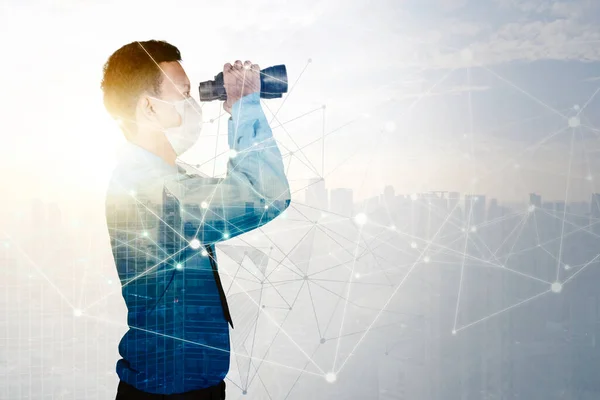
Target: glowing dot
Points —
{"points": [[195, 244], [567, 267], [556, 287], [574, 122], [226, 235], [473, 229], [232, 153], [463, 229], [204, 204], [366, 115], [179, 266], [182, 209], [323, 215], [426, 259], [77, 312], [576, 107], [357, 275], [414, 196], [413, 245], [132, 192], [323, 340], [531, 208], [589, 178], [390, 126], [145, 233], [454, 331], [360, 218], [393, 227], [330, 377], [204, 253], [266, 207], [109, 282]]}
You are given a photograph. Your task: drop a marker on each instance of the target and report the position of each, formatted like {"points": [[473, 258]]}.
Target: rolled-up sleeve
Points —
{"points": [[254, 191]]}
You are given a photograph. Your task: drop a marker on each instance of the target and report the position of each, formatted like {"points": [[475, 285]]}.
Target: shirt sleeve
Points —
{"points": [[254, 191]]}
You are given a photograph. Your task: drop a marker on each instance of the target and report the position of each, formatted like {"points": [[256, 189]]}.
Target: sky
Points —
{"points": [[497, 97]]}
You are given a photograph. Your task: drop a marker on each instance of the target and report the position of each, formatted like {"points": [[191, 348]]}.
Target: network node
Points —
{"points": [[204, 204], [393, 227], [387, 353], [360, 218], [473, 229], [567, 267], [305, 277], [290, 308], [556, 287], [531, 208], [323, 215], [574, 122], [357, 275], [77, 312], [263, 306], [195, 244], [132, 193], [309, 60], [576, 107], [454, 331], [463, 229], [204, 253], [179, 266], [323, 340], [226, 235], [589, 178], [426, 259], [232, 153], [244, 392], [330, 377], [266, 207], [145, 233], [413, 245]]}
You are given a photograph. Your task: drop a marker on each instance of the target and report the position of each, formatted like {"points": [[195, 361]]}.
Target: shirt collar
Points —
{"points": [[131, 154]]}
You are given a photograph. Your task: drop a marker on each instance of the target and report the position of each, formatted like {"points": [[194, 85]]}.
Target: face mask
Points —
{"points": [[185, 135]]}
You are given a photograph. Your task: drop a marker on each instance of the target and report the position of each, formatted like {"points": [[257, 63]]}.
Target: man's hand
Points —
{"points": [[240, 80]]}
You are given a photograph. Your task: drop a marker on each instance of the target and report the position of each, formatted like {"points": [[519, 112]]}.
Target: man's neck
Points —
{"points": [[158, 145]]}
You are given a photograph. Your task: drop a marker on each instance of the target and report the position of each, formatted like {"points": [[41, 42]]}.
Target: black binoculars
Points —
{"points": [[273, 83]]}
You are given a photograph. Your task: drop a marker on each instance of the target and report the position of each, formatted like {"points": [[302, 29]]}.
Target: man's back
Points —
{"points": [[161, 223]]}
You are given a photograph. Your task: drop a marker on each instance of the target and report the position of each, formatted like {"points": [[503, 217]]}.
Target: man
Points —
{"points": [[164, 222]]}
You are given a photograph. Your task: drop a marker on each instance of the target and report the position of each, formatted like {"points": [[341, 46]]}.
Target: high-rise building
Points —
{"points": [[474, 209], [316, 195], [535, 200]]}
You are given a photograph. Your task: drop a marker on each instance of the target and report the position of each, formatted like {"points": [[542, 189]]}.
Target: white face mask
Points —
{"points": [[185, 135]]}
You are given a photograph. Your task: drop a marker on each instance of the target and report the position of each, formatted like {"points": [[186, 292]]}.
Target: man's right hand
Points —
{"points": [[240, 80]]}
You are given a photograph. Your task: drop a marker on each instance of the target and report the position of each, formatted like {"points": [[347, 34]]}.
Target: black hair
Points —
{"points": [[130, 71]]}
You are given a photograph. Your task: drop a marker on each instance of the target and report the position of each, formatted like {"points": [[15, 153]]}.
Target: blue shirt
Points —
{"points": [[160, 218]]}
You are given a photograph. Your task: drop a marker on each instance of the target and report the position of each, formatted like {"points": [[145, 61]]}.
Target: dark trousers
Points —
{"points": [[127, 392]]}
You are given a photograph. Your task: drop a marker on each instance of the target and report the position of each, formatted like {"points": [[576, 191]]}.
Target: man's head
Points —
{"points": [[141, 81]]}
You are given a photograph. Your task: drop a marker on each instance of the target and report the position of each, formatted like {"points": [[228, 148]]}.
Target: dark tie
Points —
{"points": [[213, 264]]}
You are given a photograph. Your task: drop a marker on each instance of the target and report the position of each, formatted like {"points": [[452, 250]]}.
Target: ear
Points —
{"points": [[145, 106]]}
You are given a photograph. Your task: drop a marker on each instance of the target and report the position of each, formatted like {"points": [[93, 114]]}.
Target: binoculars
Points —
{"points": [[273, 83]]}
